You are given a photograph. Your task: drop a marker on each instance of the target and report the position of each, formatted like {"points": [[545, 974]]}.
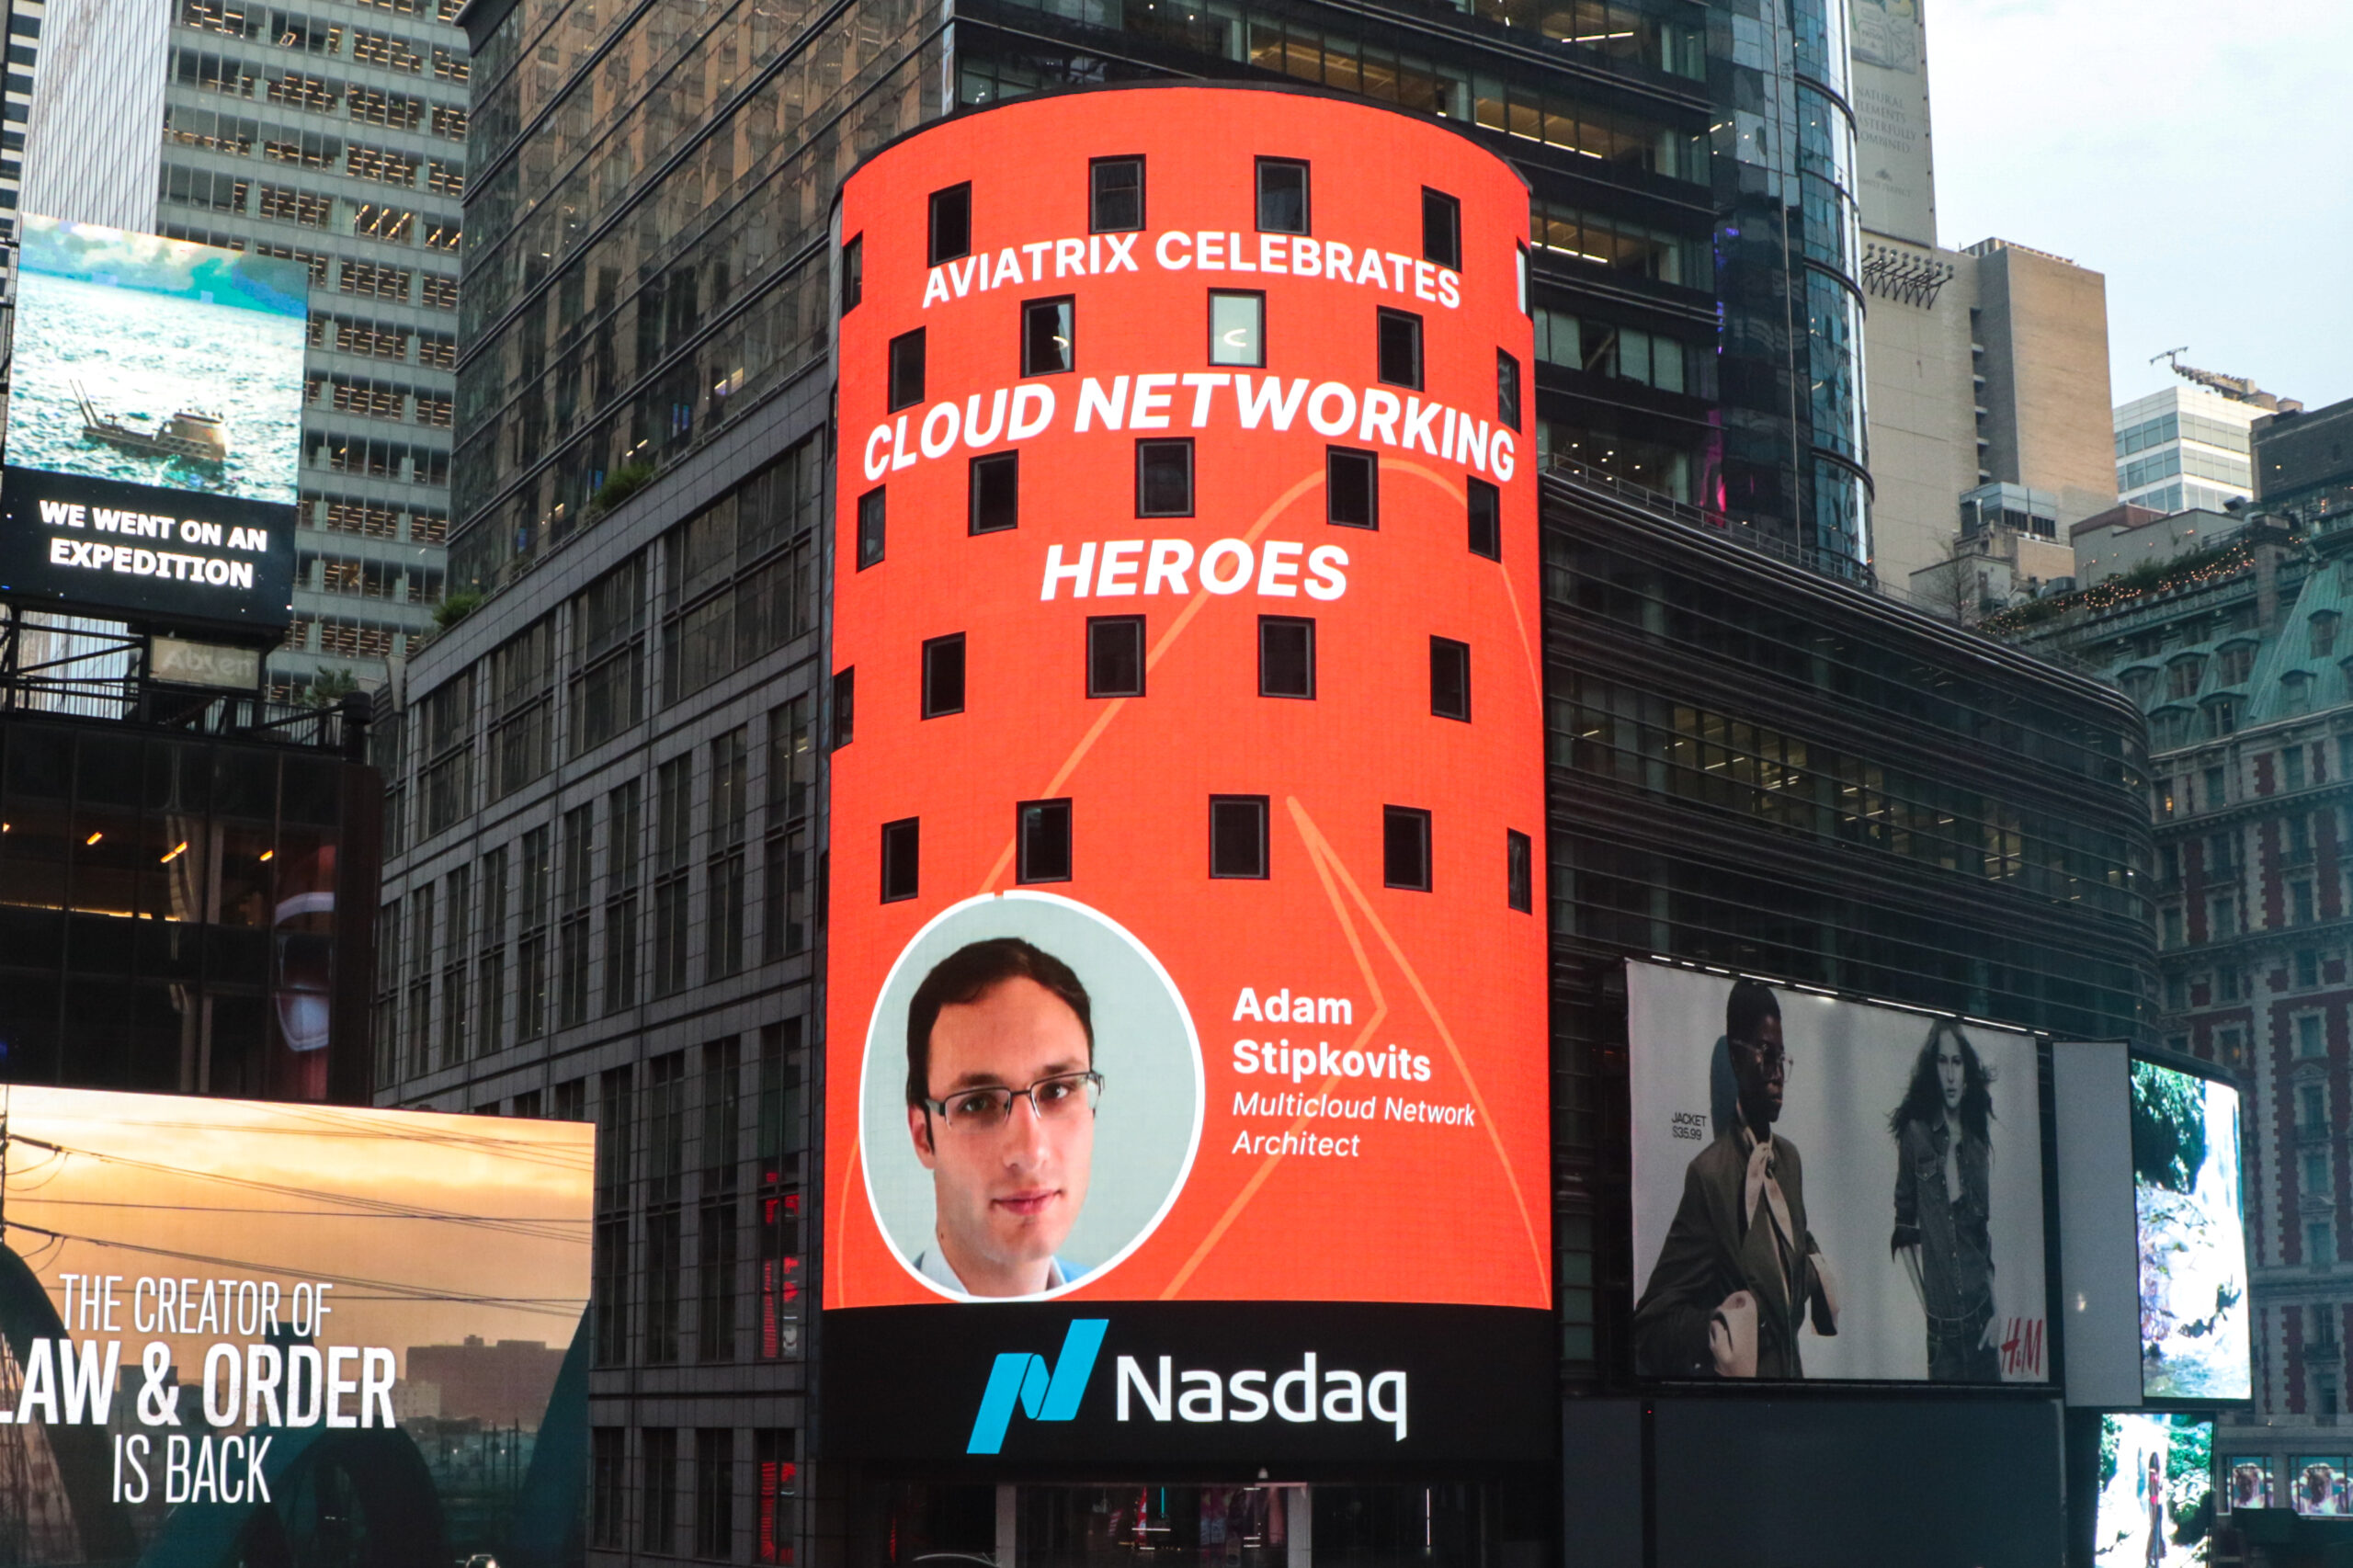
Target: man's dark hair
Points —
{"points": [[1751, 1003], [971, 972]]}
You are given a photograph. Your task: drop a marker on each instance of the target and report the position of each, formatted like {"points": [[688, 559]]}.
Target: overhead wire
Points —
{"points": [[396, 1290], [581, 1224], [536, 1229]]}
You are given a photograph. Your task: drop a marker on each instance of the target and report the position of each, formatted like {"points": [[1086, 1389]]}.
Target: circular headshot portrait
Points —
{"points": [[1031, 1098]]}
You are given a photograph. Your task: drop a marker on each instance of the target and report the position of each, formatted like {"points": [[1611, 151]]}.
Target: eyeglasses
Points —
{"points": [[1773, 1064], [1058, 1098]]}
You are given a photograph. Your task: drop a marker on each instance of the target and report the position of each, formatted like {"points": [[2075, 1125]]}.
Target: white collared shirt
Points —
{"points": [[934, 1267]]}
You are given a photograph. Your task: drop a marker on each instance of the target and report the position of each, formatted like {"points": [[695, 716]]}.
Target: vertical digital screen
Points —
{"points": [[1824, 1190], [291, 1327], [2190, 1218], [1121, 786], [154, 425], [2156, 1491]]}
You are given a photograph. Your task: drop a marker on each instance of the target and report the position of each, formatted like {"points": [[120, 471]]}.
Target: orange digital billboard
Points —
{"points": [[1187, 942]]}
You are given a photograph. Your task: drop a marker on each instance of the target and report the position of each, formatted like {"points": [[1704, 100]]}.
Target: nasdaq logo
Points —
{"points": [[1042, 1392]]}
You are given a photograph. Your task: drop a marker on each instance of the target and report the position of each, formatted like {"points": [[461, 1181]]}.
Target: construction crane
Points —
{"points": [[2238, 388]]}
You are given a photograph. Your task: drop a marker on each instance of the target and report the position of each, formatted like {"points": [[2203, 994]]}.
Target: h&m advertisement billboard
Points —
{"points": [[1187, 1080], [154, 428], [232, 1330], [1829, 1191]]}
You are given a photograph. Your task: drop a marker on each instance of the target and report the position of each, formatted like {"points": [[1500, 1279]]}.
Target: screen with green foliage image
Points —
{"points": [[2191, 1220], [2156, 1491]]}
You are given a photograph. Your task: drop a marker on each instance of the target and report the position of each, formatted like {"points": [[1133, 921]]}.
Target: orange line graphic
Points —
{"points": [[1183, 619], [1454, 492], [1535, 673], [1511, 1177], [833, 1279], [1380, 1011]]}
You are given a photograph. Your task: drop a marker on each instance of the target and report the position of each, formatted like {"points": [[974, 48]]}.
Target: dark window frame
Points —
{"points": [[1025, 871], [1385, 319], [1394, 818], [1510, 390], [1008, 461], [1143, 443], [1108, 623], [853, 272], [932, 235], [1519, 870], [1443, 647], [1369, 459], [1270, 622], [1452, 208], [1306, 194], [894, 395], [873, 524], [1259, 805], [935, 651], [902, 837], [1094, 224], [1260, 296], [842, 712], [1071, 356], [1478, 497]]}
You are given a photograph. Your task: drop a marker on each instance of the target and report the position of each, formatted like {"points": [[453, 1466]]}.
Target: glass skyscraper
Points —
{"points": [[331, 133], [646, 257]]}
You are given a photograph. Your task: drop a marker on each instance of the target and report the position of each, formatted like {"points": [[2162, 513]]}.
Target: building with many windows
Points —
{"points": [[2303, 461], [612, 882], [330, 132], [2185, 448], [607, 784], [25, 20], [645, 265], [603, 783], [1989, 404], [2239, 649], [188, 889], [1987, 366]]}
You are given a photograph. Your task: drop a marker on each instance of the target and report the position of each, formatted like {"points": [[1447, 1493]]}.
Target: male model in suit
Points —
{"points": [[1739, 1270]]}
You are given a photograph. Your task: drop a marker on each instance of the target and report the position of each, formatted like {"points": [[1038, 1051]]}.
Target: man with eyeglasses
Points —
{"points": [[1739, 1268], [1001, 1096]]}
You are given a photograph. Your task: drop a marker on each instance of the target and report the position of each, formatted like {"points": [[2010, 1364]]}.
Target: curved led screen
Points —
{"points": [[1186, 935]]}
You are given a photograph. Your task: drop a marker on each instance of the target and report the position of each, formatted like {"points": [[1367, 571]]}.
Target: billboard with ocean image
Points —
{"points": [[158, 362]]}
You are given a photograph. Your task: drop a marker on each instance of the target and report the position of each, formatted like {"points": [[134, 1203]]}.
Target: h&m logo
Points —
{"points": [[1044, 1393]]}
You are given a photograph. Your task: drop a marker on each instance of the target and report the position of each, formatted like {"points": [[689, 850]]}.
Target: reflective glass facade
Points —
{"points": [[1755, 770], [647, 255], [644, 260], [181, 914]]}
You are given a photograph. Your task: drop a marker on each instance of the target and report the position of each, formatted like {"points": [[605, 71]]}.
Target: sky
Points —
{"points": [[92, 253], [2194, 153], [432, 1227]]}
